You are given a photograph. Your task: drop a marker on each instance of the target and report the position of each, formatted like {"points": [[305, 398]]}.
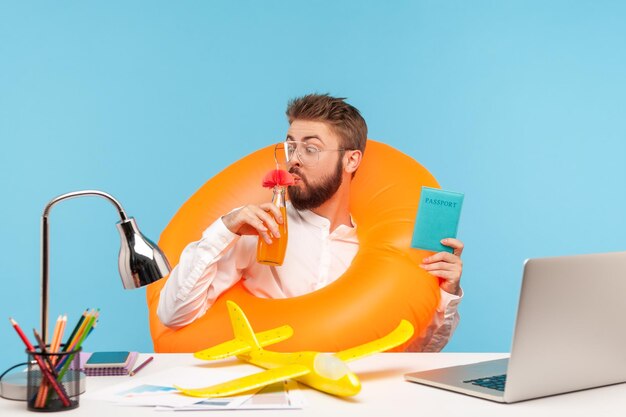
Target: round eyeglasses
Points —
{"points": [[308, 154]]}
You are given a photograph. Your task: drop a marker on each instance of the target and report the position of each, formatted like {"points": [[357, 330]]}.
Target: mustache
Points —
{"points": [[294, 170]]}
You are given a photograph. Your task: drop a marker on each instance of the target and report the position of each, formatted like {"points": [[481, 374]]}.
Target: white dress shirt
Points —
{"points": [[315, 257]]}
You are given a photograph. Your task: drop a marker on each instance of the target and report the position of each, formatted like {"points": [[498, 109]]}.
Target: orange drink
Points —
{"points": [[274, 253]]}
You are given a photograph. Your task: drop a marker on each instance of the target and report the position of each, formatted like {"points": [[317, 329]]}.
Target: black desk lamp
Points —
{"points": [[141, 262]]}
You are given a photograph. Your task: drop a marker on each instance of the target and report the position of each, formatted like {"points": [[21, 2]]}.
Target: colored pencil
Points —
{"points": [[57, 336], [79, 333], [42, 366], [79, 338], [44, 352], [57, 324], [78, 324], [140, 367]]}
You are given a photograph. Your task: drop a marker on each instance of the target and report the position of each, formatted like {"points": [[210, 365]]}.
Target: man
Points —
{"points": [[326, 140]]}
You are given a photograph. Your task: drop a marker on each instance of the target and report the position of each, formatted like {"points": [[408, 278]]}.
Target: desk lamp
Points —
{"points": [[141, 262]]}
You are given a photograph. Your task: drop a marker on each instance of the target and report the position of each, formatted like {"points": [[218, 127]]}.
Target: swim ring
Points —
{"points": [[383, 285]]}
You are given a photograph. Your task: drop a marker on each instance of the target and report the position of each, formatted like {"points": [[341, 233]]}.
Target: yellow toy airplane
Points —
{"points": [[323, 371]]}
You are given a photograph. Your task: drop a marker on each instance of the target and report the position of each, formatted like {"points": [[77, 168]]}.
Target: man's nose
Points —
{"points": [[295, 160]]}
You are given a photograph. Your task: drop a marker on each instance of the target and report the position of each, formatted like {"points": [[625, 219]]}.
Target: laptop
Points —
{"points": [[570, 334]]}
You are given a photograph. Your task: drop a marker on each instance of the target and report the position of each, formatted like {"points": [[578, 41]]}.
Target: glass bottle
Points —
{"points": [[274, 253]]}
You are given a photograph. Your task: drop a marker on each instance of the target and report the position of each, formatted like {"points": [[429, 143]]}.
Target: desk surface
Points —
{"points": [[384, 392]]}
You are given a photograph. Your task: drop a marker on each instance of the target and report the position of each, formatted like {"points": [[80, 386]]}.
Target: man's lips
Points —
{"points": [[297, 179]]}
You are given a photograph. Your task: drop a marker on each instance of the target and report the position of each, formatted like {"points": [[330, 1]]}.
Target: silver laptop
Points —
{"points": [[570, 334]]}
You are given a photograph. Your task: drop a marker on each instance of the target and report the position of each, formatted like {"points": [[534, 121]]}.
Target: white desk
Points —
{"points": [[384, 393]]}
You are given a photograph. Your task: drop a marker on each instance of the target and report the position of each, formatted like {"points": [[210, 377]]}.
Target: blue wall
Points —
{"points": [[519, 104]]}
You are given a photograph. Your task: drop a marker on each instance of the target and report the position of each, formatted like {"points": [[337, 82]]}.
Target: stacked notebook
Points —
{"points": [[108, 363]]}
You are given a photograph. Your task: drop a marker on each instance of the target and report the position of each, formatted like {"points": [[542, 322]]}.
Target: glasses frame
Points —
{"points": [[285, 144]]}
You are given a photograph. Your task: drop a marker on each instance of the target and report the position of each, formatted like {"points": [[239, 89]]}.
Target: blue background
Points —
{"points": [[519, 104]]}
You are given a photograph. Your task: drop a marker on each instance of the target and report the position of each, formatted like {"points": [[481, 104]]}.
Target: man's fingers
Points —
{"points": [[254, 219], [447, 266], [447, 275], [455, 244], [275, 211], [441, 256], [264, 221]]}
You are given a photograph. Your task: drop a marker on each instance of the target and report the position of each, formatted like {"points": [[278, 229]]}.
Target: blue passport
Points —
{"points": [[438, 217]]}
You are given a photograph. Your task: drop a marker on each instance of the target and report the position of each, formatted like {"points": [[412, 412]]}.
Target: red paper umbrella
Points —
{"points": [[277, 177]]}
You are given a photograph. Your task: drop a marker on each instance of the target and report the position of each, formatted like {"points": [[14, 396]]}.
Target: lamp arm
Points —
{"points": [[82, 193], [45, 247]]}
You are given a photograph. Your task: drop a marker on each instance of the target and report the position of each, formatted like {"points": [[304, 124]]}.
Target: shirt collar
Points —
{"points": [[343, 232]]}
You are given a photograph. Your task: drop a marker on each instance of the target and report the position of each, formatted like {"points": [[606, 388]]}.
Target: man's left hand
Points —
{"points": [[447, 266]]}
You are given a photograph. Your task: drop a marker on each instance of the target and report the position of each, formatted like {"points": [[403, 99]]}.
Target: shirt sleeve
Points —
{"points": [[206, 269], [441, 328]]}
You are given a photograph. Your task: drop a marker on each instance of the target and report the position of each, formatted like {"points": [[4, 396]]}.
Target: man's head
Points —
{"points": [[327, 137], [342, 118]]}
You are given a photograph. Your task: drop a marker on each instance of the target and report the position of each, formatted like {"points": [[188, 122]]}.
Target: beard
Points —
{"points": [[313, 196]]}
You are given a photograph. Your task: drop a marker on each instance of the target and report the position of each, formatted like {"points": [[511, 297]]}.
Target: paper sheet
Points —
{"points": [[157, 390], [281, 395]]}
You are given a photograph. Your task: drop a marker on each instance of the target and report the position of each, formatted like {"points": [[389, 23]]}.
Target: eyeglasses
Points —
{"points": [[307, 153]]}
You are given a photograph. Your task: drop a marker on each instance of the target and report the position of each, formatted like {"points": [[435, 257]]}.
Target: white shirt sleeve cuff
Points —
{"points": [[216, 238], [449, 300]]}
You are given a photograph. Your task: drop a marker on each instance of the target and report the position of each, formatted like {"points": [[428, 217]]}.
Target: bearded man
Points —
{"points": [[324, 146]]}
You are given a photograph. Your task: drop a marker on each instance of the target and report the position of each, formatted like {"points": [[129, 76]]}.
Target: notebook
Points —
{"points": [[569, 334], [108, 370]]}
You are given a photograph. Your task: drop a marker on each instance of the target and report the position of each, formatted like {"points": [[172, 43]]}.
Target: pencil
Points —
{"points": [[84, 321], [42, 394], [57, 336], [42, 366], [79, 338], [44, 352], [70, 338], [55, 333], [140, 367]]}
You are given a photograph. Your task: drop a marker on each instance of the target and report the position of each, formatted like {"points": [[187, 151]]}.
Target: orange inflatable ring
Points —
{"points": [[382, 285]]}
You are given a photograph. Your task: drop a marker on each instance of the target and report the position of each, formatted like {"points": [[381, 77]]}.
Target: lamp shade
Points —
{"points": [[141, 262]]}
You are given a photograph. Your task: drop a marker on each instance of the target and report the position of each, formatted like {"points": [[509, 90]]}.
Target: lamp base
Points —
{"points": [[14, 386]]}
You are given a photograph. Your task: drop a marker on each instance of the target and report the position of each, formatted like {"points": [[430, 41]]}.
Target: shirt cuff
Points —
{"points": [[449, 300], [217, 237]]}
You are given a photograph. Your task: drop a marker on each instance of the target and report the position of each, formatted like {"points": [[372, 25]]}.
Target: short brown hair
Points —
{"points": [[345, 120]]}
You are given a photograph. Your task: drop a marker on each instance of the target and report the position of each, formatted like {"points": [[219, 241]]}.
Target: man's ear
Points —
{"points": [[353, 160]]}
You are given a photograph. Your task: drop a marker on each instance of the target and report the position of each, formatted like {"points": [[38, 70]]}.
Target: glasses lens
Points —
{"points": [[309, 154], [290, 151]]}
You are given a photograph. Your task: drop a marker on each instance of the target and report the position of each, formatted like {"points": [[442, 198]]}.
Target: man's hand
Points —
{"points": [[447, 266], [253, 219]]}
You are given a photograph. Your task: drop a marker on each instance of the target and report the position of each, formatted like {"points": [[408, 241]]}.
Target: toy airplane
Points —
{"points": [[325, 372]]}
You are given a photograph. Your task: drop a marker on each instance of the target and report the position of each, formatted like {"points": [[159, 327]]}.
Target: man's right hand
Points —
{"points": [[254, 219]]}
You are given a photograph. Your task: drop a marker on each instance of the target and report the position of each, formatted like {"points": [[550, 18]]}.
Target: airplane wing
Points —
{"points": [[399, 335], [237, 347], [247, 383]]}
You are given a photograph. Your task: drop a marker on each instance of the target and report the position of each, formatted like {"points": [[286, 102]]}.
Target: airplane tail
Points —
{"points": [[241, 326]]}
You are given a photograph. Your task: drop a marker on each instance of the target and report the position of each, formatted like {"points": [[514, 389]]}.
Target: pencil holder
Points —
{"points": [[53, 380]]}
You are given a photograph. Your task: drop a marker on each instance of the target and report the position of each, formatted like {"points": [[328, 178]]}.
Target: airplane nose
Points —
{"points": [[330, 367]]}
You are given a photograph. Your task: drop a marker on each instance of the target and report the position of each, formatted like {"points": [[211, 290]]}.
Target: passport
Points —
{"points": [[437, 218]]}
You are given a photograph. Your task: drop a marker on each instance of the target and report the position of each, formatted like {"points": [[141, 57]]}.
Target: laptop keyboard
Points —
{"points": [[494, 382]]}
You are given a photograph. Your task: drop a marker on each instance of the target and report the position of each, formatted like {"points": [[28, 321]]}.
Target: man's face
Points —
{"points": [[314, 183]]}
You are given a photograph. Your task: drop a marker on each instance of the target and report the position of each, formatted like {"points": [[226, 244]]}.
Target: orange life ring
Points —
{"points": [[382, 285]]}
